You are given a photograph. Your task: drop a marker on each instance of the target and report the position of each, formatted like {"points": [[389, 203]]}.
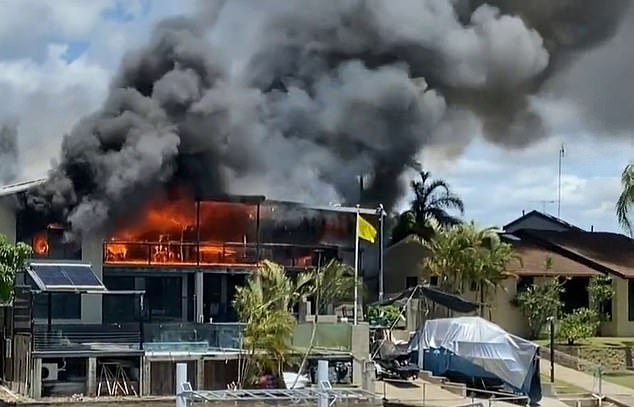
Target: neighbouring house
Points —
{"points": [[537, 220], [575, 255], [184, 255]]}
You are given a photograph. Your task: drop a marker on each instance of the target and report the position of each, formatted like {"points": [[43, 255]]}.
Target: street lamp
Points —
{"points": [[551, 321]]}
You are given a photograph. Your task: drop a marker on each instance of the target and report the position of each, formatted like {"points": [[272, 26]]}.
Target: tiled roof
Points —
{"points": [[534, 258], [608, 252], [546, 216]]}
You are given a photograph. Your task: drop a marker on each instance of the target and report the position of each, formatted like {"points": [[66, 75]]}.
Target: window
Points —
{"points": [[164, 298], [524, 283], [119, 308], [411, 282], [630, 300], [433, 280], [63, 306]]}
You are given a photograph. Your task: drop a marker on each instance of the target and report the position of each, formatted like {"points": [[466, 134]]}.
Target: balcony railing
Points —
{"points": [[209, 254], [192, 337], [86, 338]]}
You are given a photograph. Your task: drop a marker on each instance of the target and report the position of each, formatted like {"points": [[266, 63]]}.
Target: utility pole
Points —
{"points": [[562, 152]]}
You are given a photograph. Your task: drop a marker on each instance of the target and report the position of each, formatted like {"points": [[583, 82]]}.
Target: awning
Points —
{"points": [[451, 301]]}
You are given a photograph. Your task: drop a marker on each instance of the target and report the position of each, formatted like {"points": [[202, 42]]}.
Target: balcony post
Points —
{"points": [[257, 232], [197, 232], [141, 327]]}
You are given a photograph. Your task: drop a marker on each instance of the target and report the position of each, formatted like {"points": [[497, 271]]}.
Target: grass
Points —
{"points": [[597, 341], [625, 379]]}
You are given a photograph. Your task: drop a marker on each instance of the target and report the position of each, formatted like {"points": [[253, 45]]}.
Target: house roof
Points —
{"points": [[544, 216], [22, 186], [607, 252], [534, 259]]}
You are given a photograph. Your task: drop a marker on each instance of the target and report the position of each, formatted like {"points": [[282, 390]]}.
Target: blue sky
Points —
{"points": [[56, 68]]}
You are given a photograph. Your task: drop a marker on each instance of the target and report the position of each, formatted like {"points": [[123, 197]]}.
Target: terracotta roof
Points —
{"points": [[608, 252], [534, 258]]}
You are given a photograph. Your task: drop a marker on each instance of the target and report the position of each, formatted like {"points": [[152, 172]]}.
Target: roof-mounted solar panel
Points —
{"points": [[60, 277]]}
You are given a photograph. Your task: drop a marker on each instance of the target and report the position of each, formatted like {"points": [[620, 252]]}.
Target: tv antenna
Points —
{"points": [[544, 202], [562, 153]]}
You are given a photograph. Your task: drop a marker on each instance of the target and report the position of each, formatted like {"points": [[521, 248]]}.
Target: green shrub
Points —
{"points": [[582, 323], [383, 315]]}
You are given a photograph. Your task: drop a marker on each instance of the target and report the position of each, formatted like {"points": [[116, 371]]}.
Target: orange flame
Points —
{"points": [[40, 244]]}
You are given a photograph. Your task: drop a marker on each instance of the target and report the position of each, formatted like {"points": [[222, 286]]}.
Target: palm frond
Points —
{"points": [[626, 199]]}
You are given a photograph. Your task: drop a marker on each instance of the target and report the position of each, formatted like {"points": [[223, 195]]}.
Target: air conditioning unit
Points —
{"points": [[49, 372]]}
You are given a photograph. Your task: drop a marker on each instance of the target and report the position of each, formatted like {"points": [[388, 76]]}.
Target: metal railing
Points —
{"points": [[335, 396], [177, 253], [86, 338]]}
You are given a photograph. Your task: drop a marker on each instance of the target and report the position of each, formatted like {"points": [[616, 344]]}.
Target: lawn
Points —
{"points": [[625, 379], [598, 341]]}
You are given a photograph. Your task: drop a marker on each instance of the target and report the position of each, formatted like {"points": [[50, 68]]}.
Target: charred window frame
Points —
{"points": [[45, 236]]}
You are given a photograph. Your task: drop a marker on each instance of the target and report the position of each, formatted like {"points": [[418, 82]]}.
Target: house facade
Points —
{"points": [[575, 256], [186, 255]]}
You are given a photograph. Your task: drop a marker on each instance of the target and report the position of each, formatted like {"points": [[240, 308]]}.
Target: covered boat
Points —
{"points": [[474, 348]]}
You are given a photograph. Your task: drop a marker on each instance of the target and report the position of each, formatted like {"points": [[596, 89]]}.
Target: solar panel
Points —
{"points": [[53, 277]]}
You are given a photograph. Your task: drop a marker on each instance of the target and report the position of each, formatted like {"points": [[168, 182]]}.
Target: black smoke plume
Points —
{"points": [[8, 150], [318, 93]]}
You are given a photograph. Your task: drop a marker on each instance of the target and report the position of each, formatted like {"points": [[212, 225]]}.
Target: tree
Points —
{"points": [[582, 323], [466, 254], [332, 283], [600, 291], [433, 199], [264, 304], [541, 301], [13, 258], [492, 261], [626, 199]]}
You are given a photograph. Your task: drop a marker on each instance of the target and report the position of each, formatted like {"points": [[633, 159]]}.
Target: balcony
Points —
{"points": [[176, 253], [86, 338]]}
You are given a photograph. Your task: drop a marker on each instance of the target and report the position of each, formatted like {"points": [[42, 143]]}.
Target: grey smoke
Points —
{"points": [[295, 99], [8, 150]]}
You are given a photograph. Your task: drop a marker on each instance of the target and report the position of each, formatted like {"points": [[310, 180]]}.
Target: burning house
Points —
{"points": [[177, 261]]}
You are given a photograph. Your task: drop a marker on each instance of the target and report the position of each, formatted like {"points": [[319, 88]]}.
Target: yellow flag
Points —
{"points": [[366, 230]]}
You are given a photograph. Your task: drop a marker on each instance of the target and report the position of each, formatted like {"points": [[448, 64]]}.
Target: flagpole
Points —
{"points": [[356, 269], [381, 243]]}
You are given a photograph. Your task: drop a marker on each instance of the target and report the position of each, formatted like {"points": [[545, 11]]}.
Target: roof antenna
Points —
{"points": [[562, 153]]}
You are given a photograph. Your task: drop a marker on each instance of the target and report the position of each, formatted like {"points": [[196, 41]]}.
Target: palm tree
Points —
{"points": [[626, 199], [432, 202], [264, 304], [466, 254], [332, 283]]}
